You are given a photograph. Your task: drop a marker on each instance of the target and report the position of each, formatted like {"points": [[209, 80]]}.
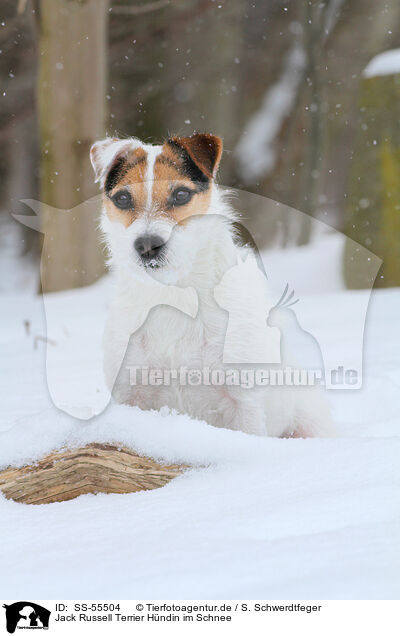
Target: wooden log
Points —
{"points": [[66, 474]]}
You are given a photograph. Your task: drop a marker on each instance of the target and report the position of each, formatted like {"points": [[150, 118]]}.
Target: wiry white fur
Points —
{"points": [[198, 256], [152, 152]]}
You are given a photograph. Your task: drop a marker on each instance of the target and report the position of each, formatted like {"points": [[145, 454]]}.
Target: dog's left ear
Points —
{"points": [[203, 149]]}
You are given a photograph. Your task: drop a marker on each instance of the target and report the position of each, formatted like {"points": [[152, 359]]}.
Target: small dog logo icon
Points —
{"points": [[26, 615]]}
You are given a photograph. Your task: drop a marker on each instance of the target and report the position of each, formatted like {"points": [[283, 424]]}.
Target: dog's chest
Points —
{"points": [[170, 338]]}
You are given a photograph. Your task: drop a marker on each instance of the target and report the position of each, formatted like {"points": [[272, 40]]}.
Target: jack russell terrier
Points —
{"points": [[170, 234]]}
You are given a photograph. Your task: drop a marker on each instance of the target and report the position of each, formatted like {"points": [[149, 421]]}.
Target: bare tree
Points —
{"points": [[71, 100]]}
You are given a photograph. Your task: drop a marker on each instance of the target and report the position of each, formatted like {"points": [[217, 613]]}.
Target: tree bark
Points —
{"points": [[71, 101], [373, 209]]}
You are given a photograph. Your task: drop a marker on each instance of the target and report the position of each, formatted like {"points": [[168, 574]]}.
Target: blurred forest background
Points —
{"points": [[282, 82]]}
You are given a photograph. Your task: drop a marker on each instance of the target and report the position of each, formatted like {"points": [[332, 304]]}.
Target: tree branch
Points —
{"points": [[140, 9]]}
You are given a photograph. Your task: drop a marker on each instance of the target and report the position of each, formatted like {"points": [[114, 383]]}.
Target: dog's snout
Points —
{"points": [[149, 246]]}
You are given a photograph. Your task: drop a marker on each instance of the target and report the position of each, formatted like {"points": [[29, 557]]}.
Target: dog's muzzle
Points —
{"points": [[150, 249]]}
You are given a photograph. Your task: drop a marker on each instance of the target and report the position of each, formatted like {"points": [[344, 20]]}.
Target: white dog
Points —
{"points": [[167, 225]]}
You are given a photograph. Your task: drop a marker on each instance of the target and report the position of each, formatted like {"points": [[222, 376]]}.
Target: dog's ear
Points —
{"points": [[104, 155], [203, 149]]}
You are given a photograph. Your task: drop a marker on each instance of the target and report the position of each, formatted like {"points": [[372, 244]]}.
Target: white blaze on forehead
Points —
{"points": [[152, 154]]}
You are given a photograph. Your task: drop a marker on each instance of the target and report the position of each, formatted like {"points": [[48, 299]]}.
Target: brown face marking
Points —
{"points": [[131, 177], [170, 174], [184, 162]]}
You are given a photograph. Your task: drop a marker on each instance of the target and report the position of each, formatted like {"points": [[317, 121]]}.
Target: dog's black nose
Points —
{"points": [[149, 246]]}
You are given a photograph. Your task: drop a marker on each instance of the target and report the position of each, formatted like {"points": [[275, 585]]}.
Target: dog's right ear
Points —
{"points": [[106, 153]]}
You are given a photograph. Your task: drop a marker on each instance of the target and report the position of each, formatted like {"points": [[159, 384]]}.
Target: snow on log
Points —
{"points": [[96, 468]]}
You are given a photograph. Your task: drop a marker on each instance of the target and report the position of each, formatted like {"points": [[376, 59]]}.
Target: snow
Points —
{"points": [[15, 275], [252, 518], [312, 270], [386, 63], [326, 251]]}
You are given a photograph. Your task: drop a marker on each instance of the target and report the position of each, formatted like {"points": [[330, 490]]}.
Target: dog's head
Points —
{"points": [[153, 199]]}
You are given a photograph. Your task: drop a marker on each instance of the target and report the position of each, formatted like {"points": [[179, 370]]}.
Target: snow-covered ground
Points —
{"points": [[254, 517]]}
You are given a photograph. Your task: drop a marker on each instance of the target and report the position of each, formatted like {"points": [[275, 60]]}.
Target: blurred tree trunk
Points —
{"points": [[213, 79], [22, 181], [314, 21], [373, 213], [71, 101]]}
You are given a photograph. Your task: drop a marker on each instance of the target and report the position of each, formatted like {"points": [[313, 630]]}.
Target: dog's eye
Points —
{"points": [[123, 200], [180, 196]]}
